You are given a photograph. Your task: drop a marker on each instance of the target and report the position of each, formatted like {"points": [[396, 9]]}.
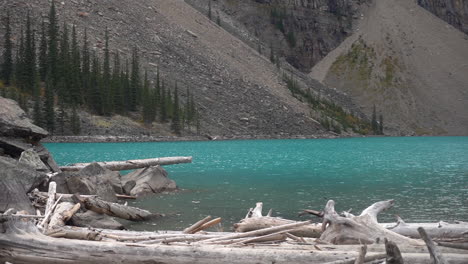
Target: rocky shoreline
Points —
{"points": [[116, 139]]}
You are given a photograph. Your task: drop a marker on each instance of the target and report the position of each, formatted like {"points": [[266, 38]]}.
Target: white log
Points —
{"points": [[436, 256], [62, 214], [377, 208], [359, 229], [130, 164], [192, 228], [51, 196]]}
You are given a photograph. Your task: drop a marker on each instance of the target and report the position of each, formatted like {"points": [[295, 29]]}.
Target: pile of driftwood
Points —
{"points": [[344, 238]]}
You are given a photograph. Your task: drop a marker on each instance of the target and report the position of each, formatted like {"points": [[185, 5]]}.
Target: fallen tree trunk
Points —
{"points": [[438, 231], [62, 214], [130, 164], [255, 221], [22, 243], [114, 209], [359, 229]]}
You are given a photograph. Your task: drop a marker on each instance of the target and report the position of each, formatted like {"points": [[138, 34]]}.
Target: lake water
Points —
{"points": [[427, 176]]}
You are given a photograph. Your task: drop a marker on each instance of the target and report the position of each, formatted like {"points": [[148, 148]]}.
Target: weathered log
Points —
{"points": [[454, 245], [75, 234], [50, 197], [437, 231], [130, 164], [43, 225], [255, 221], [114, 209], [192, 228], [362, 255], [264, 231], [62, 214], [393, 253], [359, 229], [436, 256], [208, 224]]}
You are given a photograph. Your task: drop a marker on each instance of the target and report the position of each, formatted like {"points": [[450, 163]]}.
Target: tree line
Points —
{"points": [[61, 74]]}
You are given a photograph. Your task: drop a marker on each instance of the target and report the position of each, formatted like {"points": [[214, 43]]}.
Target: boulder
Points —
{"points": [[26, 175], [94, 179], [46, 157], [15, 182], [14, 146], [92, 219], [14, 122], [148, 181], [31, 158]]}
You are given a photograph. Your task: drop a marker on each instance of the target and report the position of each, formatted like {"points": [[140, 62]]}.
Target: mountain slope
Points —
{"points": [[407, 62], [238, 92]]}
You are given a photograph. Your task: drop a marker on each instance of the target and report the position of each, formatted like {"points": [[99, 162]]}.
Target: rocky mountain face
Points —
{"points": [[454, 12], [408, 63], [303, 32]]}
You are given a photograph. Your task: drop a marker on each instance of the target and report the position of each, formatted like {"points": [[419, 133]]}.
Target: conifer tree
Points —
{"points": [[374, 123], [175, 125], [157, 93], [61, 117], [43, 53], [29, 58], [7, 63], [48, 112], [134, 82], [95, 103], [106, 79], [37, 109], [63, 71], [75, 121], [381, 124], [117, 86], [209, 9], [163, 104], [75, 70], [147, 112], [19, 69], [169, 104], [52, 53], [85, 69]]}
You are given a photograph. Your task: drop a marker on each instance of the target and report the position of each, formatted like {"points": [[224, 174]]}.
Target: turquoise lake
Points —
{"points": [[427, 176]]}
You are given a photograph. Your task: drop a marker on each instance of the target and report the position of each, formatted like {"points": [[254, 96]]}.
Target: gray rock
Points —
{"points": [[127, 188], [149, 180], [14, 146], [31, 158], [46, 157], [94, 179], [92, 219], [16, 180], [23, 173], [14, 122], [61, 180]]}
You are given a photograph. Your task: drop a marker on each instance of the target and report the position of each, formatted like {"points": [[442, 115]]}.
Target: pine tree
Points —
{"points": [[29, 60], [48, 112], [146, 111], [61, 117], [374, 123], [63, 71], [75, 121], [272, 53], [135, 82], [157, 94], [75, 70], [7, 64], [85, 70], [37, 109], [52, 53], [175, 125], [117, 86], [43, 53], [19, 69], [169, 104], [218, 20], [163, 104], [209, 9], [95, 103], [381, 124], [106, 93]]}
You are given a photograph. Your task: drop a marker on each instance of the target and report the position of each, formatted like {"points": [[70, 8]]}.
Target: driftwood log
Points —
{"points": [[63, 212], [130, 164], [254, 220], [22, 243], [114, 209], [362, 229]]}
